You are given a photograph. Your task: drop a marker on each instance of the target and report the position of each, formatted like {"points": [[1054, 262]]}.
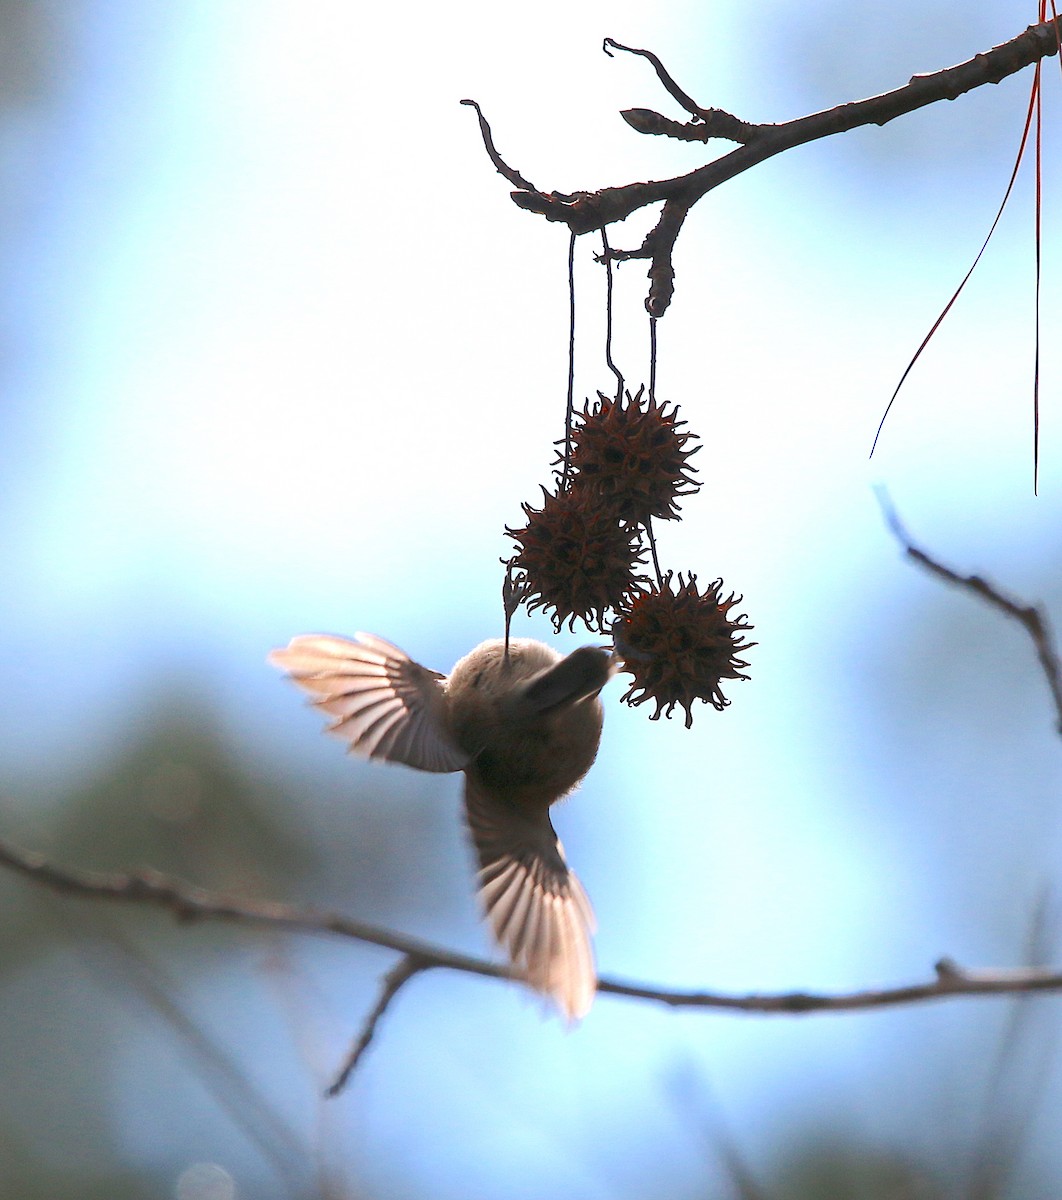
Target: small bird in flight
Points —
{"points": [[523, 724]]}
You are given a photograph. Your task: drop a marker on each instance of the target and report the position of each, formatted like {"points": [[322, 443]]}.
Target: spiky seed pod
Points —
{"points": [[680, 645], [574, 557], [632, 456]]}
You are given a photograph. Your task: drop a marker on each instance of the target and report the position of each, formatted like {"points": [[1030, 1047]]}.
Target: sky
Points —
{"points": [[281, 355]]}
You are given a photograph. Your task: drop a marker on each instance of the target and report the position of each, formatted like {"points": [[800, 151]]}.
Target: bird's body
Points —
{"points": [[524, 726], [524, 743]]}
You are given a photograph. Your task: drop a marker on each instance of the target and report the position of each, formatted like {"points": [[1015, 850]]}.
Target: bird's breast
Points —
{"points": [[536, 763]]}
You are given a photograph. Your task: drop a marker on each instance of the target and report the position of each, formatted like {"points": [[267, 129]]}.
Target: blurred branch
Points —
{"points": [[219, 1071], [190, 903], [401, 973], [949, 980], [1031, 617], [1019, 1076], [583, 211]]}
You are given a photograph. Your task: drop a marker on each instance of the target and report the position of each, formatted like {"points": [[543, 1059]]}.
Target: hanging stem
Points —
{"points": [[606, 258], [652, 550], [973, 266], [1036, 238], [571, 363]]}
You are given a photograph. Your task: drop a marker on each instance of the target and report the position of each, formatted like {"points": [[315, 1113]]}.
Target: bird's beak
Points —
{"points": [[583, 673]]}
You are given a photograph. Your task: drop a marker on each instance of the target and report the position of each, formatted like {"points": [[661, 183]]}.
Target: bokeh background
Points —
{"points": [[279, 355]]}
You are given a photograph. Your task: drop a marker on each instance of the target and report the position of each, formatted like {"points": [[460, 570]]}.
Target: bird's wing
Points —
{"points": [[538, 911], [385, 705]]}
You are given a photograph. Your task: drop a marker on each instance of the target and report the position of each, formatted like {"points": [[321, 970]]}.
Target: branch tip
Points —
{"points": [[393, 982], [1030, 616], [500, 165]]}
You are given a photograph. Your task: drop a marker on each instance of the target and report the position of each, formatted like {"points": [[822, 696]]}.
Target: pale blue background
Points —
{"points": [[279, 354]]}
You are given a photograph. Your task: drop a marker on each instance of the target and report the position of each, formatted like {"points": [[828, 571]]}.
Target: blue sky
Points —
{"points": [[282, 356]]}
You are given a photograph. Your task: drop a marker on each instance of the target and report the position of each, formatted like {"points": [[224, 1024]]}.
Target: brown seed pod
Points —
{"points": [[576, 558], [680, 645], [631, 455]]}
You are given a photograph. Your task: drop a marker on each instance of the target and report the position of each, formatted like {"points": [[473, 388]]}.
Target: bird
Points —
{"points": [[523, 724]]}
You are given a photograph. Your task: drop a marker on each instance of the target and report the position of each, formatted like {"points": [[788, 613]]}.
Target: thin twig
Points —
{"points": [[1031, 617], [190, 903], [502, 167], [949, 980], [670, 86], [710, 122], [399, 975]]}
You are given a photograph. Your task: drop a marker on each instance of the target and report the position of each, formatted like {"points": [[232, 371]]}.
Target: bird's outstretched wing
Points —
{"points": [[538, 911], [385, 705]]}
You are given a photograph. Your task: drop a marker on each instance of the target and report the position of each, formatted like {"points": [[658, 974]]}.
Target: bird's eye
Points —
{"points": [[476, 678]]}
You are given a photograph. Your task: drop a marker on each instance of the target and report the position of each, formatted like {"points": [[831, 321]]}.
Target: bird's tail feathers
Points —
{"points": [[537, 908]]}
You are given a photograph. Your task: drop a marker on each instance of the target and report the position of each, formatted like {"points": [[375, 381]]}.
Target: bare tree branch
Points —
{"points": [[949, 980], [585, 211], [190, 903], [1031, 617]]}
